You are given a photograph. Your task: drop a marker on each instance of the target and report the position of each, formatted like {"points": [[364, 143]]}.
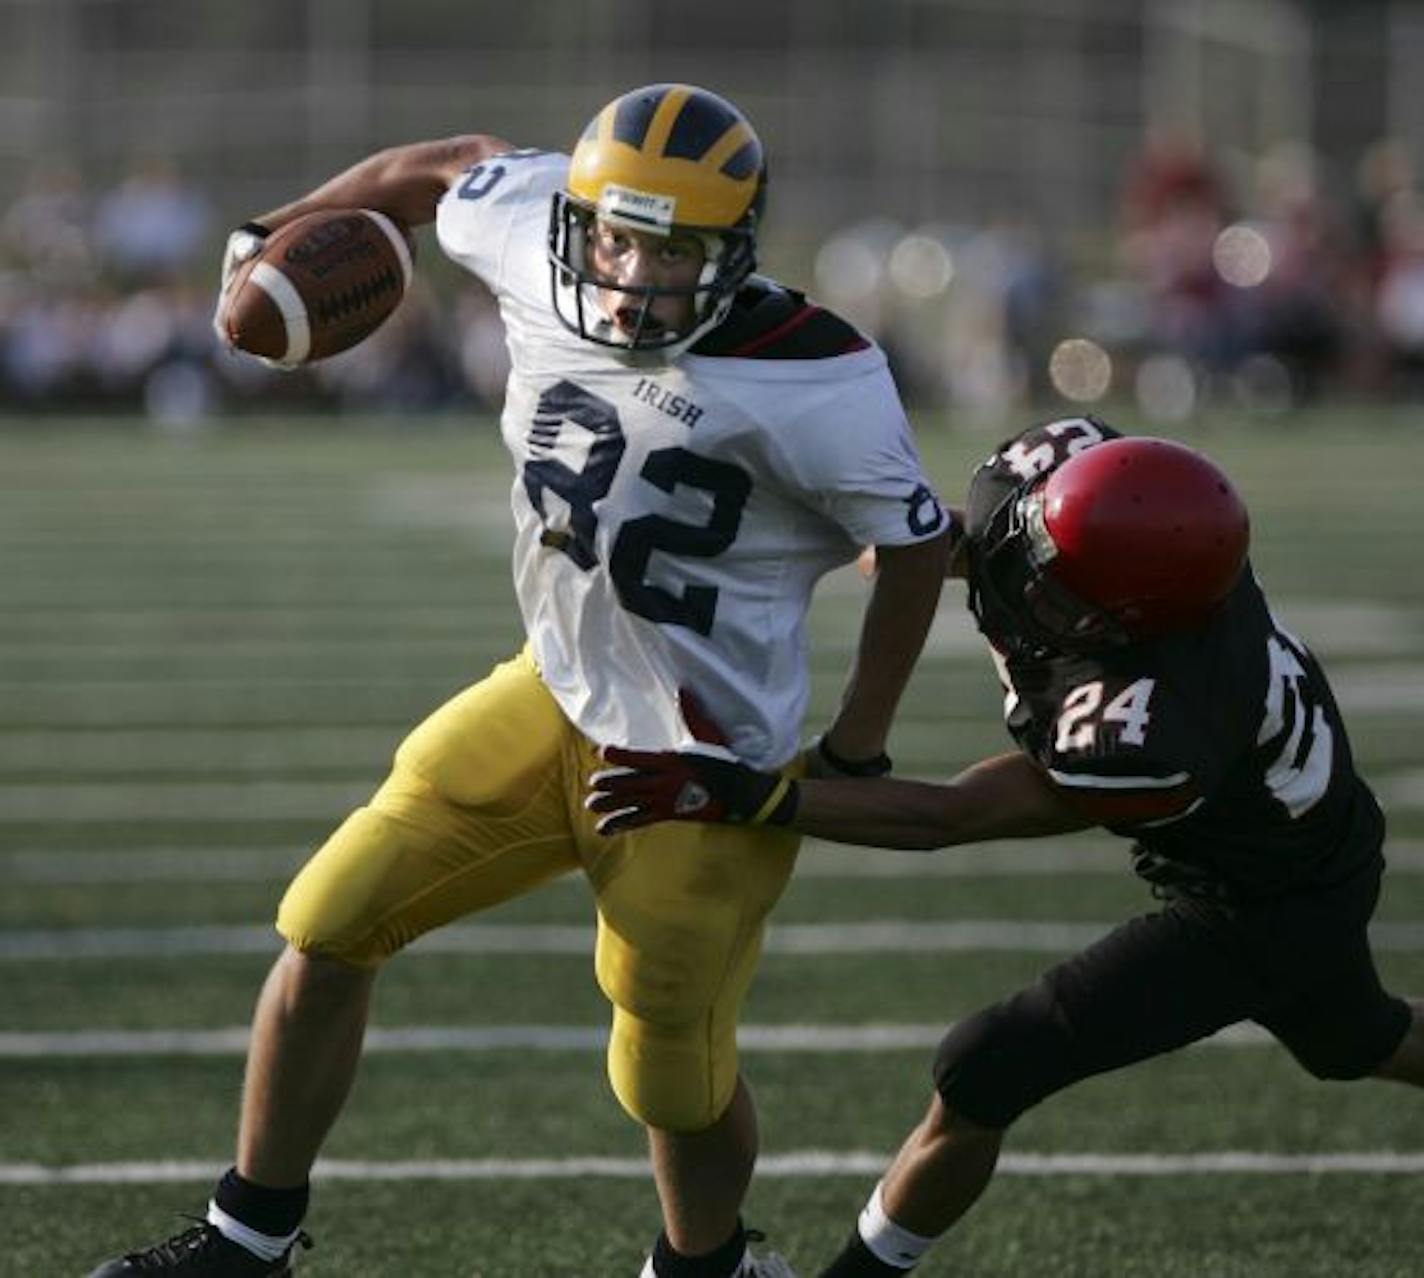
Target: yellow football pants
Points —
{"points": [[485, 802]]}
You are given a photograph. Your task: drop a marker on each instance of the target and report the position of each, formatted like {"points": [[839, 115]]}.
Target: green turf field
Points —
{"points": [[209, 647]]}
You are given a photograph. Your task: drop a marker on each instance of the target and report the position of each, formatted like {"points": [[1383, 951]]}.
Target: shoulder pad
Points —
{"points": [[768, 321]]}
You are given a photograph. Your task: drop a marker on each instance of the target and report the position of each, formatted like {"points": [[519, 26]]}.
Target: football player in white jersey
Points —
{"points": [[694, 446]]}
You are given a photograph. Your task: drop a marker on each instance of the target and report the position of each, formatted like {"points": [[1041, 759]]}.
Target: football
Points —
{"points": [[319, 285]]}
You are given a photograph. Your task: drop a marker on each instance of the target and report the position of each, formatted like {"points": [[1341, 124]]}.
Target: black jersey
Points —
{"points": [[1231, 728]]}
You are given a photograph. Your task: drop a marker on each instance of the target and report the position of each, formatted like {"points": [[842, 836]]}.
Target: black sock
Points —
{"points": [[721, 1263], [858, 1261], [274, 1212]]}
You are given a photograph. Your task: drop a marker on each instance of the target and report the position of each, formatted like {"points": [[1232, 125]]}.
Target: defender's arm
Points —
{"points": [[1005, 797]]}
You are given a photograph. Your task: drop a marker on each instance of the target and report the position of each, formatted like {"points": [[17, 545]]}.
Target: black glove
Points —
{"points": [[665, 785]]}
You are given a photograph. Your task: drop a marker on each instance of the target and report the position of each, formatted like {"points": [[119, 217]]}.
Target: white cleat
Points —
{"points": [[769, 1266]]}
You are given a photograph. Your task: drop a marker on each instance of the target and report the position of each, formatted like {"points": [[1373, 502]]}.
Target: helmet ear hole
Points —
{"points": [[576, 250]]}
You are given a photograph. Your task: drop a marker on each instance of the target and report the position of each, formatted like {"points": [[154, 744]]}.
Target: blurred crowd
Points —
{"points": [[106, 302], [1265, 285]]}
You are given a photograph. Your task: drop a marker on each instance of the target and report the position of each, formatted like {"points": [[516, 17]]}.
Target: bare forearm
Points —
{"points": [[405, 182], [1001, 798], [1008, 796], [897, 619]]}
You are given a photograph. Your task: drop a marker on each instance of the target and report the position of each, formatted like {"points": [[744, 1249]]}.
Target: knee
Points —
{"points": [[1334, 1063], [305, 982], [946, 1131], [1001, 1061], [1384, 1041], [672, 1054], [676, 1078], [339, 906], [1405, 1062]]}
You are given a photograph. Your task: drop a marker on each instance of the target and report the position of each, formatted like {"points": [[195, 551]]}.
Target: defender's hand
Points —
{"points": [[664, 785]]}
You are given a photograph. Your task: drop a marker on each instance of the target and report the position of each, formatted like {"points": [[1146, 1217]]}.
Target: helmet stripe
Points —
{"points": [[633, 113], [701, 123], [728, 145], [744, 163], [665, 117]]}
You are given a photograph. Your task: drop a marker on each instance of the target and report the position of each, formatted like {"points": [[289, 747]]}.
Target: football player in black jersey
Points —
{"points": [[1151, 691]]}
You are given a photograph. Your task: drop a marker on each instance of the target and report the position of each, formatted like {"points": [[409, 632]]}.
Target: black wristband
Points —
{"points": [[257, 229], [876, 766]]}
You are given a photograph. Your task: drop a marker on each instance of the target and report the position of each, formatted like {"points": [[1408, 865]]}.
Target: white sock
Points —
{"points": [[263, 1246], [887, 1241]]}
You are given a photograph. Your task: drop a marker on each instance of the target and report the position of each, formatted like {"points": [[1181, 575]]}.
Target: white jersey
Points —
{"points": [[672, 519]]}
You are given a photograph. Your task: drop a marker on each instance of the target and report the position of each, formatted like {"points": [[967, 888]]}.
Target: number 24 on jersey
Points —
{"points": [[1083, 714]]}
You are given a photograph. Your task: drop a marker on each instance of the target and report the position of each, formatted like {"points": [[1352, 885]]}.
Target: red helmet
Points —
{"points": [[1126, 540]]}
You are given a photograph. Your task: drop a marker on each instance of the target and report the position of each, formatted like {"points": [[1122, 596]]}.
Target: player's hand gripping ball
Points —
{"points": [[313, 287]]}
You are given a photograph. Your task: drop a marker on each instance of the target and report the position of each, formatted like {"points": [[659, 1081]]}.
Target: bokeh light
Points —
{"points": [[1242, 256], [1080, 370], [848, 269], [1166, 388], [921, 266]]}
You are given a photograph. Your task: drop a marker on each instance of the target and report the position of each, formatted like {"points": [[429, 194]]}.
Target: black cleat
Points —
{"points": [[200, 1252]]}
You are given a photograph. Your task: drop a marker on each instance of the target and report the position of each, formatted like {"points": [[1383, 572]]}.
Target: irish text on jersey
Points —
{"points": [[665, 401]]}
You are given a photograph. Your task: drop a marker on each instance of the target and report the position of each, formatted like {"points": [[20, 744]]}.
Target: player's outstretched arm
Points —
{"points": [[1005, 797], [404, 182]]}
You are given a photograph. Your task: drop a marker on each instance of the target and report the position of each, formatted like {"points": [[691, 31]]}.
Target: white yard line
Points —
{"points": [[189, 801], [241, 863], [245, 864], [232, 1040], [884, 936], [1387, 689], [153, 865], [1335, 630], [793, 1165], [1081, 855], [183, 801]]}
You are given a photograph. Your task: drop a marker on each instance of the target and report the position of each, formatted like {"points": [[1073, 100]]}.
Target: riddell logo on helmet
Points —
{"points": [[640, 208]]}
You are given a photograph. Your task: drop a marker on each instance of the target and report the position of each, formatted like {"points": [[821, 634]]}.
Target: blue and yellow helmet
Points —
{"points": [[665, 158]]}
